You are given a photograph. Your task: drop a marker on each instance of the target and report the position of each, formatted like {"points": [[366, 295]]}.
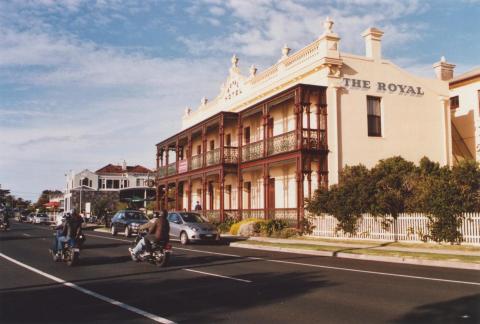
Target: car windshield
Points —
{"points": [[191, 218], [134, 215]]}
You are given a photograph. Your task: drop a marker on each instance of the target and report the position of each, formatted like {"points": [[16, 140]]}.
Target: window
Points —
{"points": [[138, 183], [454, 102], [247, 135], [109, 184], [212, 145], [374, 115], [116, 184], [125, 183], [199, 149], [228, 140]]}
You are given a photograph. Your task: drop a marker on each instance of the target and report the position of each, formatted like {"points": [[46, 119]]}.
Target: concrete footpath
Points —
{"points": [[348, 250]]}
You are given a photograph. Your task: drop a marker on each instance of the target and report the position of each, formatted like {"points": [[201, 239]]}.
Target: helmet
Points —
{"points": [[73, 211], [156, 214]]}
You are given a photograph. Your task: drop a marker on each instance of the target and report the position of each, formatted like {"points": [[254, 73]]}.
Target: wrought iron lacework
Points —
{"points": [[252, 151], [213, 157], [281, 143], [196, 162]]}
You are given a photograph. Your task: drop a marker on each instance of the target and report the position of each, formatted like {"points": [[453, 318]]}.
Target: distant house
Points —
{"points": [[115, 182]]}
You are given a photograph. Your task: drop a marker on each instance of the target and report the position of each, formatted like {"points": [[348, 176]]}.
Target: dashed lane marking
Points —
{"points": [[109, 300], [25, 234], [321, 266], [217, 275]]}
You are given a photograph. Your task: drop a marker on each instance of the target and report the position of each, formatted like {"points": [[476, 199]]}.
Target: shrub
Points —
{"points": [[306, 226], [224, 227], [286, 233], [236, 226]]}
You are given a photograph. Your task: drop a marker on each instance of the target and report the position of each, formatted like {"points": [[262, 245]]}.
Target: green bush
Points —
{"points": [[224, 227], [236, 226], [286, 233], [306, 226]]}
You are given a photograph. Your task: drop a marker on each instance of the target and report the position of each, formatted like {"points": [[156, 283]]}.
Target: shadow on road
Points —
{"points": [[460, 310], [335, 253]]}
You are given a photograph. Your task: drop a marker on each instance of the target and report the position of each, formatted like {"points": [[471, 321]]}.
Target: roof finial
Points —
{"points": [[328, 24], [285, 51], [442, 59], [234, 60], [253, 70], [204, 101]]}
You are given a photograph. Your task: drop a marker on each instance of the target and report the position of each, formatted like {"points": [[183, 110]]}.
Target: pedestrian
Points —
{"points": [[198, 206]]}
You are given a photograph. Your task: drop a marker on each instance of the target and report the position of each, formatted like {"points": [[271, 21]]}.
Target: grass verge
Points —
{"points": [[401, 254]]}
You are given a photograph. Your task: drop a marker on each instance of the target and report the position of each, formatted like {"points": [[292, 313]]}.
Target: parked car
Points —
{"points": [[189, 227], [127, 221], [30, 218], [40, 218]]}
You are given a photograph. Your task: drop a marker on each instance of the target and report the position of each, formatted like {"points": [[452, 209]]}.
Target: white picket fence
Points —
{"points": [[409, 227]]}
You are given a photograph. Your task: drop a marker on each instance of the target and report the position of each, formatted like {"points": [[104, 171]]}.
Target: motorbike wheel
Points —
{"points": [[161, 260], [113, 230], [73, 260]]}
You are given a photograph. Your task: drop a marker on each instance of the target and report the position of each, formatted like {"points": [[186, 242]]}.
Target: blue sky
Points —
{"points": [[87, 83]]}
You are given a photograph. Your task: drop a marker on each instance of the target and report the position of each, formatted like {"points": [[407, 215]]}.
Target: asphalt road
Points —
{"points": [[217, 283]]}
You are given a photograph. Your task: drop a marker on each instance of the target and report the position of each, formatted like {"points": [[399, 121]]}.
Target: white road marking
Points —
{"points": [[217, 275], [367, 271], [138, 311], [321, 266], [25, 234]]}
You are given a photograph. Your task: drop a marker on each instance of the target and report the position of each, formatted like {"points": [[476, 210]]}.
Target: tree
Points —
{"points": [[346, 201], [393, 179]]}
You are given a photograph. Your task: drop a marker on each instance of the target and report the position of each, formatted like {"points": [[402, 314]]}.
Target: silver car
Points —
{"points": [[189, 227], [40, 219]]}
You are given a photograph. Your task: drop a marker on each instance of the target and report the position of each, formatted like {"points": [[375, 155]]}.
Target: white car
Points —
{"points": [[40, 219]]}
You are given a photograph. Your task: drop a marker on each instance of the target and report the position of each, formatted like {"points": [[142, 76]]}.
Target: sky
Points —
{"points": [[85, 83]]}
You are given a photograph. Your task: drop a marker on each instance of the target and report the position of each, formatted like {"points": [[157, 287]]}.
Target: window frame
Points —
{"points": [[377, 118]]}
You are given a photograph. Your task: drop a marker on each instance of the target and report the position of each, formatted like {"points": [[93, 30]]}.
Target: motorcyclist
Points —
{"points": [[4, 216], [68, 230], [158, 232]]}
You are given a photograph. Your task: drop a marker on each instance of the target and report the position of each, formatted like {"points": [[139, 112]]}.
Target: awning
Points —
{"points": [[53, 204]]}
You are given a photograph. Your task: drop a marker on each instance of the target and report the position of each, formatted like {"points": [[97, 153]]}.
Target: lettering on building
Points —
{"points": [[397, 88]]}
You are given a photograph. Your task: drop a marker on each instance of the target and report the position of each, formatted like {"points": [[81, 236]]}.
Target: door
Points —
{"points": [[210, 196], [270, 128], [247, 135], [174, 221], [271, 193]]}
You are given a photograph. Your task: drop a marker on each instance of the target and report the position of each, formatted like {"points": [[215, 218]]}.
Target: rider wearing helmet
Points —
{"points": [[70, 228], [158, 231]]}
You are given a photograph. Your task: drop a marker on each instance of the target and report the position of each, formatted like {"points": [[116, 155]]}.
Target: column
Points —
{"points": [[189, 152], [204, 146], [177, 157], [265, 191], [333, 125], [447, 130], [240, 140], [157, 196], [222, 196], [307, 111], [298, 117], [165, 198], [177, 196], [166, 159], [309, 180], [204, 193], [299, 178], [222, 139], [240, 194], [265, 129], [189, 194]]}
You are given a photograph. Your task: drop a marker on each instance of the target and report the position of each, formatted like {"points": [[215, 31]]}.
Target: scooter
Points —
{"points": [[154, 253], [70, 253]]}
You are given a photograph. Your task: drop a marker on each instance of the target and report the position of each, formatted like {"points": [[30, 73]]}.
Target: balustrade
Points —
{"points": [[213, 157], [314, 142], [196, 162], [281, 143], [289, 215], [172, 168], [162, 171], [230, 154], [252, 151]]}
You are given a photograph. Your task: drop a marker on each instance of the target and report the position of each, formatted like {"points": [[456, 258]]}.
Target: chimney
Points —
{"points": [[373, 43], [124, 165], [444, 70]]}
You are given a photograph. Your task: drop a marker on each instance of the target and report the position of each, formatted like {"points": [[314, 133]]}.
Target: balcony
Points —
{"points": [[281, 143], [213, 157], [314, 142], [172, 168], [252, 151], [230, 154], [196, 162]]}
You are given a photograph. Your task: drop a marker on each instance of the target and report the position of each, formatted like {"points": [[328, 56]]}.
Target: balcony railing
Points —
{"points": [[281, 143], [252, 151], [314, 142], [162, 172], [196, 162], [172, 168], [212, 215], [253, 213], [213, 157], [230, 154]]}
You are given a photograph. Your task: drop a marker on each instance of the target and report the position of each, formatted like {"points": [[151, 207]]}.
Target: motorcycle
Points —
{"points": [[70, 253], [154, 253], [3, 226]]}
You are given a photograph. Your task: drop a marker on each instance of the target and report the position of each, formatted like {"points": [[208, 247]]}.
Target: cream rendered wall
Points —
{"points": [[197, 140], [285, 185], [466, 117], [283, 117], [232, 130], [255, 177], [196, 186], [413, 126], [256, 128]]}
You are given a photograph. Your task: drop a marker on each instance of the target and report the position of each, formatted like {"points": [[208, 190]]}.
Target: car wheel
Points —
{"points": [[113, 230], [184, 238], [127, 231]]}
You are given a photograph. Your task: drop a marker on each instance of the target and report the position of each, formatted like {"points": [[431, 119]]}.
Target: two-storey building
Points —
{"points": [[270, 139]]}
